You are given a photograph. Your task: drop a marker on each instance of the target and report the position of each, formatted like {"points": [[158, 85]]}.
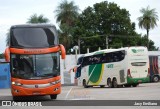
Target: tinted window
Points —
{"points": [[35, 66], [104, 58], [80, 59], [138, 63], [33, 37]]}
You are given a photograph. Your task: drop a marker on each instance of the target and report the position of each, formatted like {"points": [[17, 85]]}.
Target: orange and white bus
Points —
{"points": [[34, 56]]}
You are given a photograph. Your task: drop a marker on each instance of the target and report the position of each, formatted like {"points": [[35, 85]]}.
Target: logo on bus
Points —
{"points": [[36, 86], [110, 66], [137, 51]]}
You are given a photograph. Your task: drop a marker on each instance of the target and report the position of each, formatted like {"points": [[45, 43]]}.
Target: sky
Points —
{"points": [[13, 12]]}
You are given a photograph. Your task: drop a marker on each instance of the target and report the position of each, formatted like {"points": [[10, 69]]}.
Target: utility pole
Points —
{"points": [[76, 48], [79, 45], [106, 42]]}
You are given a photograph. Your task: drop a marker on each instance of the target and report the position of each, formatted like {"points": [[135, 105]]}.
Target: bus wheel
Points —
{"points": [[115, 85], [85, 84], [53, 96], [102, 86], [155, 79], [120, 86], [127, 85], [109, 83], [134, 85]]}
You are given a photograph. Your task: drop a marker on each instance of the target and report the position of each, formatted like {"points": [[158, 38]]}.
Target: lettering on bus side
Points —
{"points": [[110, 66], [33, 51]]}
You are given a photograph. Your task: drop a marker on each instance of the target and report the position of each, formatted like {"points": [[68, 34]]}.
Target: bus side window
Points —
{"points": [[103, 58], [109, 57]]}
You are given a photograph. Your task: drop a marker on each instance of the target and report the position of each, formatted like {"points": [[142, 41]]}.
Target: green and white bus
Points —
{"points": [[127, 67]]}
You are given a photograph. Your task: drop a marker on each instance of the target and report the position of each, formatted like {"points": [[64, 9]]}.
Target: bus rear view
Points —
{"points": [[34, 55], [138, 65]]}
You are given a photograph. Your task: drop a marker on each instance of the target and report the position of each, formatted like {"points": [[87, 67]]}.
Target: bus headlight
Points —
{"points": [[16, 83], [13, 83], [56, 82]]}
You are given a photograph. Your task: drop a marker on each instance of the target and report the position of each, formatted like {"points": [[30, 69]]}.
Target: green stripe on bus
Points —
{"points": [[95, 72], [137, 80]]}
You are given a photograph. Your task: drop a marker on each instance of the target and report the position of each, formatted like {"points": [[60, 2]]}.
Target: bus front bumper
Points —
{"points": [[23, 91]]}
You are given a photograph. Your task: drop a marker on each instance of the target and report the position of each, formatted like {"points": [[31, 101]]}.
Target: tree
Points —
{"points": [[7, 38], [142, 41], [37, 19], [101, 20], [66, 14], [148, 20], [1, 56]]}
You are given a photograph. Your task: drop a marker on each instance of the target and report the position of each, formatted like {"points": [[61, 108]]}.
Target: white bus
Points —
{"points": [[114, 67]]}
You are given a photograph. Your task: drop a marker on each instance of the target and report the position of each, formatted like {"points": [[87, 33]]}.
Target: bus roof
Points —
{"points": [[154, 53], [32, 25], [110, 50]]}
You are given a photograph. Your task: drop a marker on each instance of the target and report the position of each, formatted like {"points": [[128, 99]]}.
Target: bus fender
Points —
{"points": [[7, 55]]}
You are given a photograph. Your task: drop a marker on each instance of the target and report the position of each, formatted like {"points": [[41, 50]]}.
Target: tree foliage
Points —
{"points": [[66, 14], [101, 20], [2, 56], [148, 20], [7, 38], [37, 19]]}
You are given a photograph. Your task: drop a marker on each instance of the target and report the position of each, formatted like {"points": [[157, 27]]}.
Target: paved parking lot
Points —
{"points": [[148, 91]]}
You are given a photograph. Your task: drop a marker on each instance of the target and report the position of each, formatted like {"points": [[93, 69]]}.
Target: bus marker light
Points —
{"points": [[56, 82], [17, 91]]}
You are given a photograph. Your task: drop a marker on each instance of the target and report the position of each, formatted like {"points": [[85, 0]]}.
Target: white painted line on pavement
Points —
{"points": [[68, 93], [91, 98]]}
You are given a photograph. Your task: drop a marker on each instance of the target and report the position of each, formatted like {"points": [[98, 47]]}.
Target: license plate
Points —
{"points": [[36, 93]]}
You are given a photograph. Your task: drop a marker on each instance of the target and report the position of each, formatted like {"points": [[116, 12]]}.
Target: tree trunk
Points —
{"points": [[148, 39]]}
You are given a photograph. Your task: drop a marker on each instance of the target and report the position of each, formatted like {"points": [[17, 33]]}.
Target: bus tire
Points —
{"points": [[109, 83], [102, 86], [127, 85], [85, 84], [134, 85], [115, 85], [120, 86], [53, 96], [155, 79]]}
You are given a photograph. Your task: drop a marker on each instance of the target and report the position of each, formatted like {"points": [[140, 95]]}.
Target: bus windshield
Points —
{"points": [[33, 37], [35, 66]]}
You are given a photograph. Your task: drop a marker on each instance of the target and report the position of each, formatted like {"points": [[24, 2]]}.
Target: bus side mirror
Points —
{"points": [[75, 68], [7, 55], [63, 51]]}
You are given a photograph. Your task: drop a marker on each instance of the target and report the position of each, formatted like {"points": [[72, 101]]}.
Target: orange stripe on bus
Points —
{"points": [[34, 51]]}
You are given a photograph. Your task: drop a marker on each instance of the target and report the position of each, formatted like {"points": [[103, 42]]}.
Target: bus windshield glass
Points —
{"points": [[35, 66], [30, 37]]}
